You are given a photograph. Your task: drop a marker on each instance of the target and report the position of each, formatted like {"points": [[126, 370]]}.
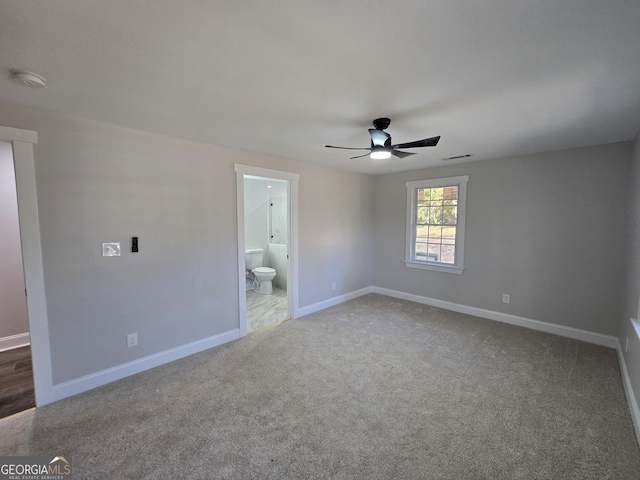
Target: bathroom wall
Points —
{"points": [[278, 224], [256, 214], [278, 232], [13, 306]]}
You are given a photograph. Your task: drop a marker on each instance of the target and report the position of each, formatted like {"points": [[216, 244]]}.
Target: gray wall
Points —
{"points": [[544, 228], [632, 294], [101, 183], [548, 229], [338, 236], [13, 305]]}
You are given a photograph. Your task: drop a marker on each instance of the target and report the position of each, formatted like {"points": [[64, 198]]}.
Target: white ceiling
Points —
{"points": [[285, 77]]}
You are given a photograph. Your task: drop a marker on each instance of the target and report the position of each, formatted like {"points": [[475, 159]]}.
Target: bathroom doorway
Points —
{"points": [[267, 246], [16, 368]]}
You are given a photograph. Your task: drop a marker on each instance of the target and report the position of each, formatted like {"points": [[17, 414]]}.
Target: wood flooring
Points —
{"points": [[16, 381]]}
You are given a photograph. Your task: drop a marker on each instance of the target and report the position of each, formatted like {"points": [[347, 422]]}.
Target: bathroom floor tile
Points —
{"points": [[265, 310]]}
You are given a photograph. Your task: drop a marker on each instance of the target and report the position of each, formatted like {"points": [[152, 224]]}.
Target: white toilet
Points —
{"points": [[264, 275]]}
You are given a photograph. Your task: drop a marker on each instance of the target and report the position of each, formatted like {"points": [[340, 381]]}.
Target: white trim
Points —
{"points": [[410, 240], [10, 134], [97, 379], [242, 291], [437, 182], [316, 307], [636, 327], [628, 390], [435, 267], [292, 274], [265, 172], [14, 341], [561, 330], [22, 142]]}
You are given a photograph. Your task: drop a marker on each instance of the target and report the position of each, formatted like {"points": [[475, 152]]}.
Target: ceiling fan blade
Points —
{"points": [[427, 142], [360, 156], [378, 137], [348, 148], [400, 154]]}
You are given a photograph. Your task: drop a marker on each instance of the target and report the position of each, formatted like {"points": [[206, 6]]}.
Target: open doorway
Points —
{"points": [[16, 367], [266, 242], [22, 142], [267, 246]]}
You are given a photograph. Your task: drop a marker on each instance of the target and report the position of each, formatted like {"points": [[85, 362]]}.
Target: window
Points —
{"points": [[435, 224]]}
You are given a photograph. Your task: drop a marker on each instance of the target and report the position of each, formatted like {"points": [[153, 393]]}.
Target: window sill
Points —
{"points": [[434, 267]]}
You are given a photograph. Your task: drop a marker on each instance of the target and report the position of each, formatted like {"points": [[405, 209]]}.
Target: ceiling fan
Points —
{"points": [[381, 147]]}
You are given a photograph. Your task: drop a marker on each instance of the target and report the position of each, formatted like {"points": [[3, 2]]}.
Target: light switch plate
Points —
{"points": [[111, 249]]}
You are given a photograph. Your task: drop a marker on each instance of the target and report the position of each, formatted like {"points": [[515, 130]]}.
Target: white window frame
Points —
{"points": [[412, 189]]}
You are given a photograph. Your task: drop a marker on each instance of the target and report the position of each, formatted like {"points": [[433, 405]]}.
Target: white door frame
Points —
{"points": [[22, 143], [292, 245]]}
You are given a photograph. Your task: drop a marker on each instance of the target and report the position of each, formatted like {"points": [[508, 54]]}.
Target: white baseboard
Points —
{"points": [[561, 330], [628, 390], [316, 307], [88, 382], [14, 341]]}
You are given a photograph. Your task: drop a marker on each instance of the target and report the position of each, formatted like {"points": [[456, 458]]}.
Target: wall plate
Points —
{"points": [[111, 249]]}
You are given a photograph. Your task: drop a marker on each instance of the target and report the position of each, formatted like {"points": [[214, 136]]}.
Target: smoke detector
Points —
{"points": [[28, 79]]}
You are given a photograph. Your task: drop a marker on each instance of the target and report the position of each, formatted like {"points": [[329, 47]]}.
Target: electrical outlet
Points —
{"points": [[333, 286], [506, 298], [132, 340]]}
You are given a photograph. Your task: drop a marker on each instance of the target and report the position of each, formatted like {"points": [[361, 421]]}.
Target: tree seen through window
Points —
{"points": [[436, 224]]}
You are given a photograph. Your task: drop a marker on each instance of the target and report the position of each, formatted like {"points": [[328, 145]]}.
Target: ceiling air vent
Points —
{"points": [[457, 157]]}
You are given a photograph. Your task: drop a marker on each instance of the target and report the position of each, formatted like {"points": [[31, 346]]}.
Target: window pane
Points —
{"points": [[450, 193], [436, 195], [448, 254], [422, 233], [434, 253], [435, 214], [422, 250], [450, 215], [435, 234], [422, 215], [423, 196], [449, 235]]}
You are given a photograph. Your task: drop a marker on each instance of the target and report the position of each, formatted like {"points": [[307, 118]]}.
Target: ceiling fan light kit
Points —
{"points": [[381, 147], [379, 153]]}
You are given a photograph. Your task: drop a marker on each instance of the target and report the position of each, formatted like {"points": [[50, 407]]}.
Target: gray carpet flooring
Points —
{"points": [[375, 388]]}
